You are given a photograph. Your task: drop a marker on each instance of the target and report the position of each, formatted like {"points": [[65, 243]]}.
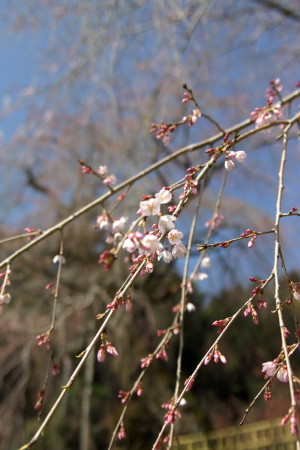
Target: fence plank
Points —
{"points": [[263, 435]]}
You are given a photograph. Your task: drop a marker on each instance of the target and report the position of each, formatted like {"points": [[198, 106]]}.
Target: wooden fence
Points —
{"points": [[264, 435]]}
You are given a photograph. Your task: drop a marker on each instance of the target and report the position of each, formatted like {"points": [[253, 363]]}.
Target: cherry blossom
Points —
{"points": [[202, 276], [122, 433], [5, 298], [119, 224], [240, 156], [59, 259], [102, 170], [205, 262], [166, 255], [269, 368], [179, 250], [150, 244], [229, 165], [110, 179], [175, 236], [132, 241], [103, 221], [166, 223], [282, 375], [164, 196], [149, 207]]}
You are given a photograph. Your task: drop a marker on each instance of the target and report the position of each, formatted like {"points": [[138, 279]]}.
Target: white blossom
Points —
{"points": [[150, 244], [179, 250], [175, 236], [103, 221], [269, 368], [282, 375], [240, 156], [202, 276], [118, 225], [190, 307], [149, 207], [164, 196], [166, 255], [166, 223], [205, 262], [229, 165], [60, 259]]}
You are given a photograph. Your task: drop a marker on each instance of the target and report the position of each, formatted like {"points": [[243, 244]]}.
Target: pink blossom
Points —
{"points": [[145, 362], [269, 368], [166, 223], [175, 236], [166, 140], [293, 424], [296, 295], [111, 349], [122, 433], [131, 243], [124, 396], [101, 353], [128, 304], [189, 383], [178, 251], [149, 267], [149, 207], [162, 354], [171, 416], [110, 179], [139, 390]]}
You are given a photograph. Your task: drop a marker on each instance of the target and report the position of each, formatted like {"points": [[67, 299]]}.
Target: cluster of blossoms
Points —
{"points": [[251, 310], [192, 118], [222, 324], [163, 131], [108, 180], [149, 245], [106, 347], [216, 355], [215, 221], [190, 185], [270, 368], [114, 227], [240, 156], [44, 339], [271, 112], [249, 233]]}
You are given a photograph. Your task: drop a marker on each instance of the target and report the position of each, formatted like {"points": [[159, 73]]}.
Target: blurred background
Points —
{"points": [[84, 79]]}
